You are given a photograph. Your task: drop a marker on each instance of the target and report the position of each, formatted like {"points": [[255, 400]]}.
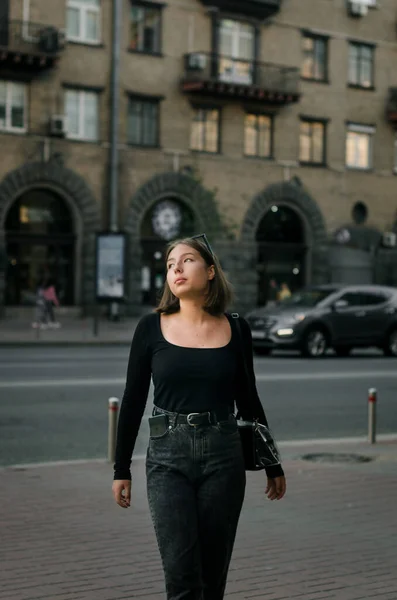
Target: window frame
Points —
{"points": [[83, 9], [148, 6], [148, 100], [360, 46], [316, 38], [361, 129], [269, 156], [82, 94], [8, 128], [314, 121], [218, 145]]}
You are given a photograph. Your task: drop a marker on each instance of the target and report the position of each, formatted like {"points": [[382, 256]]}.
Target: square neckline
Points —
{"points": [[195, 347]]}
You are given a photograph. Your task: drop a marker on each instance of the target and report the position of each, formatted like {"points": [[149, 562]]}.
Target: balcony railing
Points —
{"points": [[215, 74], [392, 106], [29, 45]]}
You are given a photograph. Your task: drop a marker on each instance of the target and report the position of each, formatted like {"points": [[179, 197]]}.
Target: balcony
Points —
{"points": [[29, 47], [391, 109], [216, 75], [261, 9]]}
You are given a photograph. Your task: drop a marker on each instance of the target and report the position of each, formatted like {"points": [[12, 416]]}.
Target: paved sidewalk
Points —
{"points": [[332, 537], [74, 330]]}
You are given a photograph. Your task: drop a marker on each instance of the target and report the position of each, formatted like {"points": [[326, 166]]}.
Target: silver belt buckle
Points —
{"points": [[188, 418]]}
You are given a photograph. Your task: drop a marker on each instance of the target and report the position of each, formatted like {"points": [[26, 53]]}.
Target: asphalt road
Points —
{"points": [[53, 401]]}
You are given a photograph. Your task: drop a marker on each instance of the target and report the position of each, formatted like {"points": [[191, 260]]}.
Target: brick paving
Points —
{"points": [[332, 537]]}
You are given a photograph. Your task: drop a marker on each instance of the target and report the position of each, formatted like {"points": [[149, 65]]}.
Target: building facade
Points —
{"points": [[269, 124]]}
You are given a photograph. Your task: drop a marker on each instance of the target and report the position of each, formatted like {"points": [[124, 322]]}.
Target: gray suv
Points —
{"points": [[328, 316]]}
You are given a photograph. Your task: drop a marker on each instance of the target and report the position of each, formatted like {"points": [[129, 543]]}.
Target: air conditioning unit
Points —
{"points": [[58, 126], [357, 8], [389, 239], [51, 40], [197, 62]]}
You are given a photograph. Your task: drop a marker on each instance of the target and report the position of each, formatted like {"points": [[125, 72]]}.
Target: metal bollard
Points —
{"points": [[113, 415], [372, 400]]}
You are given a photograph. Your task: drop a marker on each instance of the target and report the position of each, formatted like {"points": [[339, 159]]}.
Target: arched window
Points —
{"points": [[40, 244]]}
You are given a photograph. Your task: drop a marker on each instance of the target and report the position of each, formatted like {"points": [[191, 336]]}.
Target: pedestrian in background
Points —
{"points": [[51, 300], [41, 317], [194, 467], [284, 292]]}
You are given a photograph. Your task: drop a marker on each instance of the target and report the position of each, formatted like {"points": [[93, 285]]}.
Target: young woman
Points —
{"points": [[194, 467]]}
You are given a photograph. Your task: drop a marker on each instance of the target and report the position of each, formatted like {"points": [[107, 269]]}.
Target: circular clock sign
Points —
{"points": [[166, 219]]}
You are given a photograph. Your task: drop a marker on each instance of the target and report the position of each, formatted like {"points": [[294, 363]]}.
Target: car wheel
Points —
{"points": [[262, 351], [390, 347], [315, 343], [342, 350]]}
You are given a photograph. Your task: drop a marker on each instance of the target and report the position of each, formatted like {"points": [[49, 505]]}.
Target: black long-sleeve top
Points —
{"points": [[185, 380]]}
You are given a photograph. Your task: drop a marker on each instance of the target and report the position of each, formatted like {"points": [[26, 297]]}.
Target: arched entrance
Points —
{"points": [[288, 230], [155, 210], [282, 250], [168, 219], [46, 206], [40, 243]]}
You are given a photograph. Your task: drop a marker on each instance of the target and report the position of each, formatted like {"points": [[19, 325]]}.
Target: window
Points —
{"points": [[237, 51], [83, 21], [315, 58], [205, 130], [143, 122], [81, 109], [312, 142], [12, 106], [359, 142], [145, 26], [258, 136], [361, 65]]}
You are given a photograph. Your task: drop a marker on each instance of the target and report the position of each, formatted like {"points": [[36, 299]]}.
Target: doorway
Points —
{"points": [[40, 243], [237, 51], [167, 220], [282, 253]]}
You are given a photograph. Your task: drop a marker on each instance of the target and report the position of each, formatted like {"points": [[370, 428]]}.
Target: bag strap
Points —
{"points": [[236, 317]]}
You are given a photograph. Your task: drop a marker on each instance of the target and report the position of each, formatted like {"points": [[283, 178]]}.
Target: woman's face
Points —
{"points": [[187, 272]]}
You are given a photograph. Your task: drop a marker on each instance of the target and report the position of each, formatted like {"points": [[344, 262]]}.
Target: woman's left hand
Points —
{"points": [[276, 488]]}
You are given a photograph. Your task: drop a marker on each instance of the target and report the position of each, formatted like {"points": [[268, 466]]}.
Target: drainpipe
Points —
{"points": [[114, 116], [114, 122]]}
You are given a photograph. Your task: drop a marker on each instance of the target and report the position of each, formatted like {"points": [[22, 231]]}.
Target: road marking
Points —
{"points": [[93, 381]]}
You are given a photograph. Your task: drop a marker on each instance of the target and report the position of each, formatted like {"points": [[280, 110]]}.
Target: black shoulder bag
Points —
{"points": [[259, 447]]}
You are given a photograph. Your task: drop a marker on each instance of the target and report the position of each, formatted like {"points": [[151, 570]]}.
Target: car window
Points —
{"points": [[353, 298], [372, 299]]}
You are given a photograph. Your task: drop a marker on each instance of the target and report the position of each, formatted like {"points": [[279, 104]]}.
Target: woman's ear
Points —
{"points": [[211, 272]]}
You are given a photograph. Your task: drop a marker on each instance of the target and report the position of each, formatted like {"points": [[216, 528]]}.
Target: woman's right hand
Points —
{"points": [[122, 492]]}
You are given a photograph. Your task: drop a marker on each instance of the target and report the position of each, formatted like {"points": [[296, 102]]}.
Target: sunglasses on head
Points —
{"points": [[203, 237]]}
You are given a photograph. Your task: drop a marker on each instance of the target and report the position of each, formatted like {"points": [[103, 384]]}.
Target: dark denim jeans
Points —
{"points": [[196, 486]]}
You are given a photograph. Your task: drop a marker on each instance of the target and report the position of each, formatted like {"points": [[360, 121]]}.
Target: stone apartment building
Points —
{"points": [[268, 124]]}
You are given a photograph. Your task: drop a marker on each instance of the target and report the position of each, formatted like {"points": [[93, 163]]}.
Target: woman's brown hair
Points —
{"points": [[220, 293]]}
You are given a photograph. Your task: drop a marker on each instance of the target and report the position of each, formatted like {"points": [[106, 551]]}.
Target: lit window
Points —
{"points": [[205, 130], [314, 58], [12, 106], [312, 142], [83, 21], [81, 109], [359, 146], [258, 136]]}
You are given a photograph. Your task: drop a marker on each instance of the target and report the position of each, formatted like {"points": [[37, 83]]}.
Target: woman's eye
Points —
{"points": [[188, 259]]}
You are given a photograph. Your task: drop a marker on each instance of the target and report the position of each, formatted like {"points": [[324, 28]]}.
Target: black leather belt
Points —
{"points": [[194, 419]]}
